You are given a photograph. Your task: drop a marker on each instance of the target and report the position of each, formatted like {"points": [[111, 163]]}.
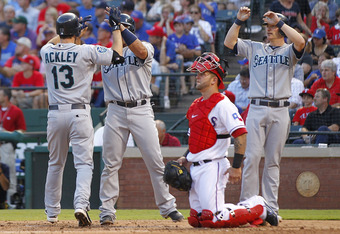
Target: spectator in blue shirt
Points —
{"points": [[7, 48], [9, 15], [100, 15], [88, 36], [188, 23], [316, 74], [185, 48], [165, 54], [7, 45], [20, 29], [209, 10], [141, 26], [86, 8]]}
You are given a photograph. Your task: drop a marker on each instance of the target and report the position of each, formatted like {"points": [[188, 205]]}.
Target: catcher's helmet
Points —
{"points": [[68, 25], [128, 22], [209, 61], [284, 19]]}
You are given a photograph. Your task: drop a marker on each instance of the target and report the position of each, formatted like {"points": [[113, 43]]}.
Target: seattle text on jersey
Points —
{"points": [[131, 60], [270, 59]]}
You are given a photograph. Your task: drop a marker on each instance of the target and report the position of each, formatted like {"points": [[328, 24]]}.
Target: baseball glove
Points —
{"points": [[114, 18], [84, 20], [177, 176]]}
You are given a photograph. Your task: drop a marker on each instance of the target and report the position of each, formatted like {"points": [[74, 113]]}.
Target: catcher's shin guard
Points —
{"points": [[240, 217], [193, 219]]}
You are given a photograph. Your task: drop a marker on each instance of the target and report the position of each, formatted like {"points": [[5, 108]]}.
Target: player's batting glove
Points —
{"points": [[114, 18], [84, 20]]}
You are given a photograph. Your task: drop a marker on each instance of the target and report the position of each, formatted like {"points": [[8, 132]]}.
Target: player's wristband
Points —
{"points": [[237, 160], [115, 27], [280, 24], [128, 37], [186, 153], [238, 22]]}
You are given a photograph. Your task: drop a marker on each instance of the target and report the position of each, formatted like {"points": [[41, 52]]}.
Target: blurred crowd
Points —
{"points": [[179, 30]]}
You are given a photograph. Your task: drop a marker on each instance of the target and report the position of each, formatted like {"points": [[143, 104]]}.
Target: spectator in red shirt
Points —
{"points": [[334, 32], [167, 18], [61, 8], [13, 64], [165, 139], [320, 18], [302, 113], [27, 78], [11, 120], [329, 81]]}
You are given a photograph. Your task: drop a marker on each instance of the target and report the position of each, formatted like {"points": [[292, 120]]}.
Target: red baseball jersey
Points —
{"points": [[301, 114], [334, 34]]}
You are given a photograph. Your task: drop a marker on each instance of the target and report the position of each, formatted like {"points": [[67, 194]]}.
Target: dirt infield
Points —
{"points": [[166, 226]]}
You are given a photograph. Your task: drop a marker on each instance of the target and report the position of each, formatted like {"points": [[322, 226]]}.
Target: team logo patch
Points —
{"points": [[237, 116], [101, 49]]}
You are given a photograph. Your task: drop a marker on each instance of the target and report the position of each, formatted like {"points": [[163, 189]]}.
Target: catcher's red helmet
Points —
{"points": [[209, 61]]}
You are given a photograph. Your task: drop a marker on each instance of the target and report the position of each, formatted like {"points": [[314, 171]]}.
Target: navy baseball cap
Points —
{"points": [[319, 33], [137, 15], [188, 19], [101, 5], [127, 5], [105, 26], [179, 19], [244, 61]]}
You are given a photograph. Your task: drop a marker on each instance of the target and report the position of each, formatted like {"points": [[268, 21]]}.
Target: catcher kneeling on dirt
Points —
{"points": [[213, 119]]}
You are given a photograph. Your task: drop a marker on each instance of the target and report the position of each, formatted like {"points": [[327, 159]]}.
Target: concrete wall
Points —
{"points": [[136, 190]]}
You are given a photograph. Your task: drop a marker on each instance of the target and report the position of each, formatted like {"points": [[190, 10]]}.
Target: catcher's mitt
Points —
{"points": [[177, 176]]}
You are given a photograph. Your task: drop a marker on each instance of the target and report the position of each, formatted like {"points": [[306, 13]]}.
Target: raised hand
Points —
{"points": [[84, 21], [270, 17], [243, 14], [114, 18]]}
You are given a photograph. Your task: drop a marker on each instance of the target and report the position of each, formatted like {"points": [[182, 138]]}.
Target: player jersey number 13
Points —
{"points": [[68, 71]]}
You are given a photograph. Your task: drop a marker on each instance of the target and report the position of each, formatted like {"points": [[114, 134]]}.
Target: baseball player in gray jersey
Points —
{"points": [[127, 90], [271, 70], [69, 72]]}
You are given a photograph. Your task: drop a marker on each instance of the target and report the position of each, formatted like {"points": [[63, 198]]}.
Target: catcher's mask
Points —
{"points": [[209, 61]]}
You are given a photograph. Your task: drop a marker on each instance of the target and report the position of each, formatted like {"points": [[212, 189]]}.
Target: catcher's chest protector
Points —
{"points": [[202, 133]]}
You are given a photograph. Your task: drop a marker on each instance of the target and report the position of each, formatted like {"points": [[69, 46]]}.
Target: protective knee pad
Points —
{"points": [[207, 215], [193, 219], [255, 213], [240, 217], [206, 219]]}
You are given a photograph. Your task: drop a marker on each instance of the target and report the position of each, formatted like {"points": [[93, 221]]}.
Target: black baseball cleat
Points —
{"points": [[83, 217], [272, 217], [176, 216], [107, 220]]}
